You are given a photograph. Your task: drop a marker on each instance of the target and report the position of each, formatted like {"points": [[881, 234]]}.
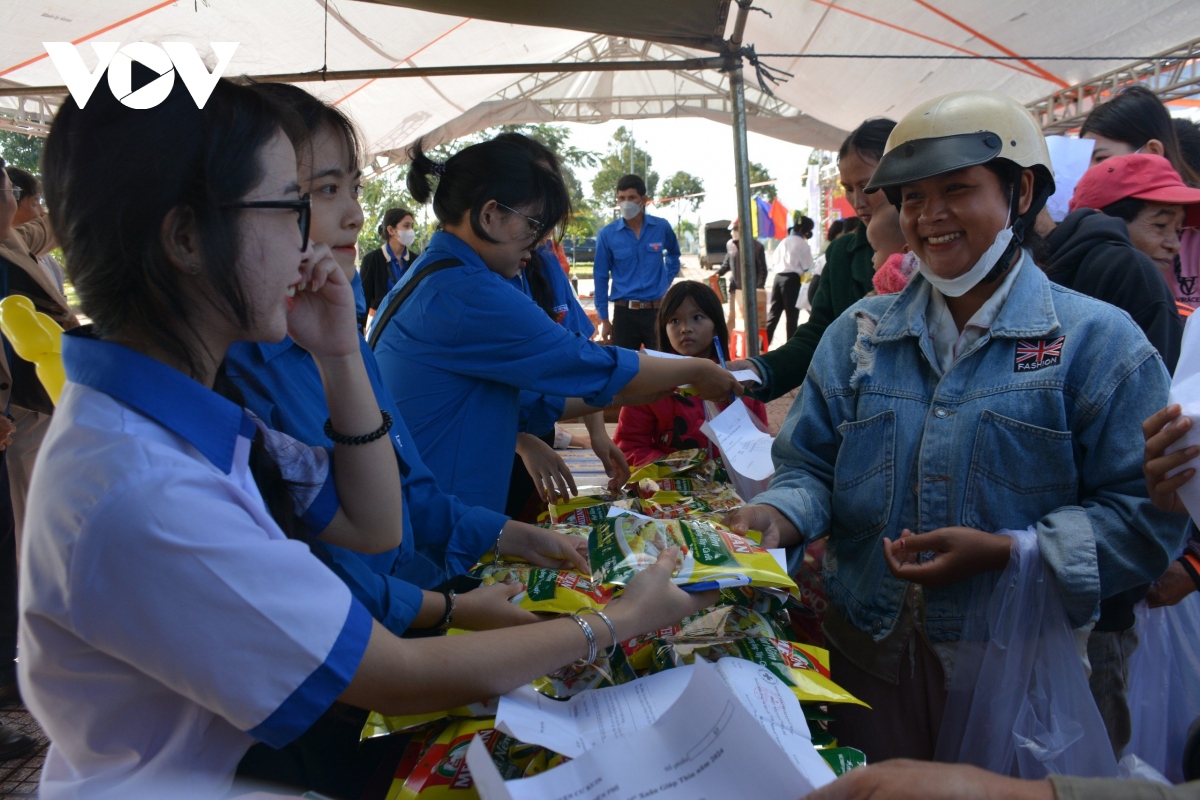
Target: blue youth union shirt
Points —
{"points": [[641, 267], [539, 412], [443, 536], [457, 355]]}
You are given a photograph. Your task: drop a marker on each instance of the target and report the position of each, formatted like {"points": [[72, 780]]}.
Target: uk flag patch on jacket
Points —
{"points": [[1035, 354]]}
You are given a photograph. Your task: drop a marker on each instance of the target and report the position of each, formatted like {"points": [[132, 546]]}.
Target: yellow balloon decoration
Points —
{"points": [[36, 338]]}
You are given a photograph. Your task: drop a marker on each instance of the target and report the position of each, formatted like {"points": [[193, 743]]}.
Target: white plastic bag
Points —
{"points": [[1019, 701], [1164, 683]]}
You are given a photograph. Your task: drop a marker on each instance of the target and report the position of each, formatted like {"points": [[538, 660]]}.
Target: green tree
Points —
{"points": [[623, 153], [378, 195], [21, 150], [758, 174], [681, 184], [555, 138]]}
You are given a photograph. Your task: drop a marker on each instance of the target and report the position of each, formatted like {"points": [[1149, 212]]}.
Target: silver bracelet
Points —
{"points": [[607, 622], [593, 650], [496, 548]]}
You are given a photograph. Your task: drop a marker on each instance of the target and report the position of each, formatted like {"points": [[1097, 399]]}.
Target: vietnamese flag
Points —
{"points": [[779, 215]]}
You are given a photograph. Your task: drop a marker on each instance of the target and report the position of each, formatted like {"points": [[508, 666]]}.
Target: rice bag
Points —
{"points": [[622, 546], [548, 591], [805, 669]]}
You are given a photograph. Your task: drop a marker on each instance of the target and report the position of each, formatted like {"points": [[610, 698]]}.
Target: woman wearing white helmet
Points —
{"points": [[982, 398]]}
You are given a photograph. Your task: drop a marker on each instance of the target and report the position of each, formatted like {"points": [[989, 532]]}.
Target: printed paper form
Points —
{"points": [[745, 448], [707, 738], [593, 718]]}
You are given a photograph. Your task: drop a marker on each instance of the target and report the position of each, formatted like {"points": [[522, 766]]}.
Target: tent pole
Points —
{"points": [[741, 168]]}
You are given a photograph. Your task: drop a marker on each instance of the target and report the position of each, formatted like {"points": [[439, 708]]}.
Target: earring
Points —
{"points": [[194, 267]]}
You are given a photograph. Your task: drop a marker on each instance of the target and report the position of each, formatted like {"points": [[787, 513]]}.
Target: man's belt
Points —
{"points": [[637, 305]]}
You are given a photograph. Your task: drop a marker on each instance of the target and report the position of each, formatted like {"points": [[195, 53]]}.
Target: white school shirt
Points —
{"points": [[166, 621]]}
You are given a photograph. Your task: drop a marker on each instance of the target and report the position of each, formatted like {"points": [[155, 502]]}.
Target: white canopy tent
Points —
{"points": [[447, 68]]}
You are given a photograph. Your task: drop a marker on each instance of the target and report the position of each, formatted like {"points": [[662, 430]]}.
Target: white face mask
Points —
{"points": [[957, 287], [406, 237], [629, 209]]}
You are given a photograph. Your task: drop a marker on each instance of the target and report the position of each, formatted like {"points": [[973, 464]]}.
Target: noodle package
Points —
{"points": [[547, 591], [713, 556]]}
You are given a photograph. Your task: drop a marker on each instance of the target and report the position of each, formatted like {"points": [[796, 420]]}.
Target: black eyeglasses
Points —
{"points": [[303, 207], [535, 227]]}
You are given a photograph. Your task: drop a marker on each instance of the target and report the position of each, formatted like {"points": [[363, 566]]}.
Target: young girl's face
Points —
{"points": [[270, 252], [690, 331], [337, 215]]}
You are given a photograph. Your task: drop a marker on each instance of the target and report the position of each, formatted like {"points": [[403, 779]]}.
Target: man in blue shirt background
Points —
{"points": [[641, 254]]}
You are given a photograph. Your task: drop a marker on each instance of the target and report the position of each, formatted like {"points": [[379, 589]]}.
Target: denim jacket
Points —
{"points": [[1038, 423]]}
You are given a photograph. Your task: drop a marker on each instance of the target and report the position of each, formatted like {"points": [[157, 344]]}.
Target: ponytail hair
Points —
{"points": [[511, 169]]}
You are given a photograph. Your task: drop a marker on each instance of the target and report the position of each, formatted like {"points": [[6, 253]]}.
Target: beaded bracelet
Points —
{"points": [[593, 650], [366, 438], [608, 622], [451, 601]]}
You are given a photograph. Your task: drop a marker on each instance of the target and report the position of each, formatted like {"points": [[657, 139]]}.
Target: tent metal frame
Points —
{"points": [[1172, 75]]}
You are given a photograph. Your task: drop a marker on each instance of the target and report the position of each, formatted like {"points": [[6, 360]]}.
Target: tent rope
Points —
{"points": [[746, 5], [762, 71]]}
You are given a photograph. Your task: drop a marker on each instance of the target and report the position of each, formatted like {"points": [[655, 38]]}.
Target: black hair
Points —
{"points": [[391, 218], [1134, 117], [849, 225], [805, 226], [836, 229], [113, 174], [868, 139], [705, 299], [632, 182], [539, 284], [28, 184], [1127, 208], [1188, 134], [310, 115], [511, 169]]}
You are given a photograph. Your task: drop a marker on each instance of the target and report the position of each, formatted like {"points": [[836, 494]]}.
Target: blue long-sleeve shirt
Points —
{"points": [[443, 536], [456, 355], [539, 411], [641, 267]]}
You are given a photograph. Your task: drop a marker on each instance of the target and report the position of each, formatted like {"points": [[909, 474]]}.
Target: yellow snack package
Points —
{"points": [[673, 505], [570, 680], [379, 725], [544, 760], [648, 487], [716, 623], [713, 556], [547, 591], [442, 770], [804, 668], [672, 466]]}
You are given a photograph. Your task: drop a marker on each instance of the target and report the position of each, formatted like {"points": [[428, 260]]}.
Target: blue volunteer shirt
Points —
{"points": [[282, 386], [641, 267], [539, 412], [458, 353]]}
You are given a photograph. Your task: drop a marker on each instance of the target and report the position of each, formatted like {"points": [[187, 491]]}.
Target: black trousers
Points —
{"points": [[785, 291], [632, 329]]}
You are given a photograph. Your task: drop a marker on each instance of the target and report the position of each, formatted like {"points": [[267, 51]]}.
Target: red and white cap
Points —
{"points": [[1143, 176]]}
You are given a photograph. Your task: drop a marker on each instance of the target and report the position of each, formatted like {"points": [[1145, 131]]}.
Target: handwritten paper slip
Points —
{"points": [[744, 446], [730, 732], [1185, 390]]}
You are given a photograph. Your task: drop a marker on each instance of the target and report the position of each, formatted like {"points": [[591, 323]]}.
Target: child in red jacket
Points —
{"points": [[689, 318]]}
